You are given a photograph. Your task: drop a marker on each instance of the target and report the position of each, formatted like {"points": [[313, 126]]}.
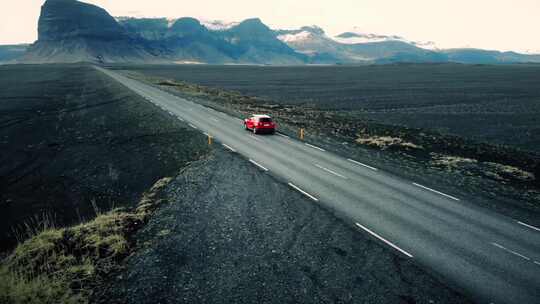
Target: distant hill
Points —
{"points": [[10, 53], [476, 56], [72, 31]]}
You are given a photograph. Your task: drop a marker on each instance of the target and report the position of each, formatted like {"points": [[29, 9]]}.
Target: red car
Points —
{"points": [[260, 123]]}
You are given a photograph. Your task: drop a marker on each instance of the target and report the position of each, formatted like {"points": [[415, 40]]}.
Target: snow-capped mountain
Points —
{"points": [[296, 37], [356, 36], [218, 25], [351, 47]]}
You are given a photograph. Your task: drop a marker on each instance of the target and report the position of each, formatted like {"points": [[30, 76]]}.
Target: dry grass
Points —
{"points": [[64, 265], [491, 170], [387, 142], [504, 172], [448, 161]]}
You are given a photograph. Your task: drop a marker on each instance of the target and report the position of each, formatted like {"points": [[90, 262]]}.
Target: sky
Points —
{"points": [[488, 24]]}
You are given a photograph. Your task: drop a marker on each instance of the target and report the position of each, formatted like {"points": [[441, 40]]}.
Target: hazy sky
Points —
{"points": [[489, 24]]}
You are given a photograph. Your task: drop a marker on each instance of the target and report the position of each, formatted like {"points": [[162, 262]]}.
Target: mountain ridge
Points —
{"points": [[73, 31]]}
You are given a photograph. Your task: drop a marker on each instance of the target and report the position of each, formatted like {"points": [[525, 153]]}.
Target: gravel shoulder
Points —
{"points": [[233, 234]]}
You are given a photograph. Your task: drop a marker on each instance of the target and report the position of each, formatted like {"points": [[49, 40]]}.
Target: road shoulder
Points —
{"points": [[232, 233]]}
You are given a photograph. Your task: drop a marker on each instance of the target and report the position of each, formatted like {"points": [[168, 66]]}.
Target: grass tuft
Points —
{"points": [[65, 265], [387, 142]]}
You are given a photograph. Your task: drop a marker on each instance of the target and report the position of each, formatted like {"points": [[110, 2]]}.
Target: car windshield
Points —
{"points": [[265, 119]]}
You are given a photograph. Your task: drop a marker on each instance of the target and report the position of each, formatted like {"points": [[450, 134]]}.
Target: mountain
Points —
{"points": [[478, 56], [218, 25], [73, 31], [313, 43], [358, 37], [353, 48], [255, 42], [11, 53], [188, 40]]}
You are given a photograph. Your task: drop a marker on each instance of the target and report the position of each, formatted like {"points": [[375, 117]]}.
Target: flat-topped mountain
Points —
{"points": [[73, 31]]}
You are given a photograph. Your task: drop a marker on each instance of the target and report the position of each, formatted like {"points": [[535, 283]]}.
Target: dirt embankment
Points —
{"points": [[74, 141], [231, 233]]}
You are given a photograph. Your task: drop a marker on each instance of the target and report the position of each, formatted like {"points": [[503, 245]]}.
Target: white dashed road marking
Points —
{"points": [[255, 138], [385, 241], [330, 171], [361, 164], [529, 226], [193, 127], [511, 251], [283, 135], [315, 147], [435, 191]]}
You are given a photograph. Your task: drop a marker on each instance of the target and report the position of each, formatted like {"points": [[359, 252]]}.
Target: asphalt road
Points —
{"points": [[493, 258]]}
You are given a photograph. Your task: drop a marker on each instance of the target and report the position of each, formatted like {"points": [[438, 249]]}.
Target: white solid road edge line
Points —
{"points": [[511, 251], [329, 171], [228, 147], [361, 164], [304, 192], [315, 147], [529, 226], [435, 191], [257, 164], [385, 241], [193, 126]]}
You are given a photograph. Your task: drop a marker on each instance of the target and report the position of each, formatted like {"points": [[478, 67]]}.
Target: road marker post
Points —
{"points": [[210, 138], [301, 133]]}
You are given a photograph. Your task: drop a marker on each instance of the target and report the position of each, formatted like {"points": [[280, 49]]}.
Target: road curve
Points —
{"points": [[493, 258]]}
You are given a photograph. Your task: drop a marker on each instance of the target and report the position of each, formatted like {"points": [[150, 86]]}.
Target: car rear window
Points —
{"points": [[264, 119]]}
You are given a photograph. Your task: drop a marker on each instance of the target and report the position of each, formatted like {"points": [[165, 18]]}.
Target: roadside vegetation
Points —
{"points": [[65, 265]]}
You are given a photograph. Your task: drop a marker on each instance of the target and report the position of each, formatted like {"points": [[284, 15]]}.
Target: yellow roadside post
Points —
{"points": [[210, 139], [302, 133]]}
